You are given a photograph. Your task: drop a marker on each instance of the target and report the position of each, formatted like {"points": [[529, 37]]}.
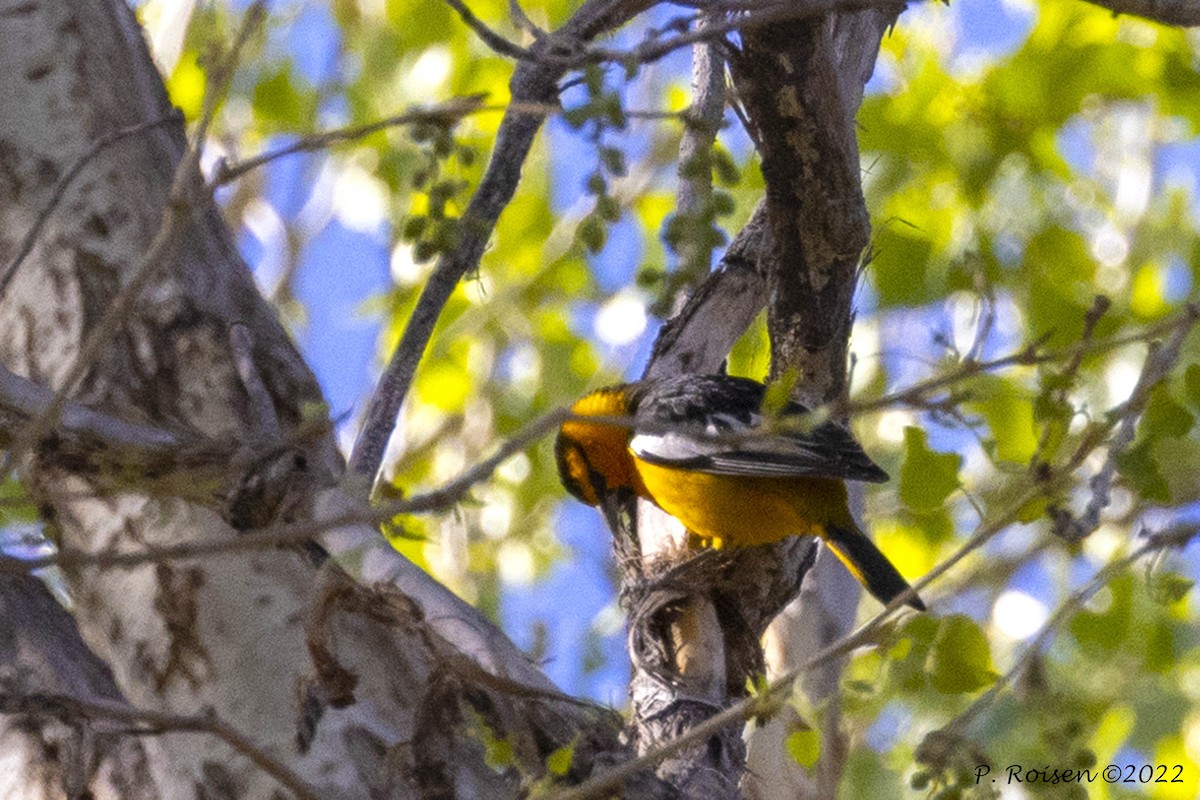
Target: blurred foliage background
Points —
{"points": [[1018, 159]]}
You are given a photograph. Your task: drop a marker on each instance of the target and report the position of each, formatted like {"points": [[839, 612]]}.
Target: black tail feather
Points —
{"points": [[870, 566]]}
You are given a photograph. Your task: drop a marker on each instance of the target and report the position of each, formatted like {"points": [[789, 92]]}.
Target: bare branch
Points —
{"points": [[445, 113], [1174, 537], [70, 708], [755, 16], [22, 400], [264, 421], [694, 195], [522, 20], [492, 39], [1184, 13], [532, 82]]}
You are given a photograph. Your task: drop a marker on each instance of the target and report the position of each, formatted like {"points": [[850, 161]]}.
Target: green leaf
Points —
{"points": [[1168, 588], [1160, 654], [724, 168], [804, 746], [614, 160], [498, 753], [959, 660], [1033, 510], [558, 763], [596, 183], [901, 259], [722, 203], [591, 233], [1165, 418], [1102, 632], [608, 208], [750, 356], [779, 392], [1008, 410], [1140, 468], [277, 102], [414, 227], [1191, 384], [927, 477], [908, 655]]}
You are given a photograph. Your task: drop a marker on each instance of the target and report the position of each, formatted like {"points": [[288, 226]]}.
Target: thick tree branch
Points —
{"points": [[41, 648], [533, 82], [1056, 479], [176, 214], [1184, 13]]}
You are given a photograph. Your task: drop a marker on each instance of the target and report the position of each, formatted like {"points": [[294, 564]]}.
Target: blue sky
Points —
{"points": [[343, 267]]}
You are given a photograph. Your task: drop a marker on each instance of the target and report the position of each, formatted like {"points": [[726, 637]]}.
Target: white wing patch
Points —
{"points": [[768, 456], [673, 447]]}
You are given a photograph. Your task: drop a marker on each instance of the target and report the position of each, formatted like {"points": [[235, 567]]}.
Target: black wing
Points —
{"points": [[692, 422]]}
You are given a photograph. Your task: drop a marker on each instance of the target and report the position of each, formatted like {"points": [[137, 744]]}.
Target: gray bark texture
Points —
{"points": [[201, 658], [697, 624]]}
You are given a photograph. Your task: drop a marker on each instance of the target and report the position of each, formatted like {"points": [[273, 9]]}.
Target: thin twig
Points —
{"points": [[64, 183], [1157, 542], [263, 420], [69, 707], [492, 39], [445, 113], [187, 177], [22, 398], [1027, 356], [532, 82], [522, 20], [611, 780]]}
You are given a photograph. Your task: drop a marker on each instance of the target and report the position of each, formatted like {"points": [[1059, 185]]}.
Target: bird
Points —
{"points": [[702, 448]]}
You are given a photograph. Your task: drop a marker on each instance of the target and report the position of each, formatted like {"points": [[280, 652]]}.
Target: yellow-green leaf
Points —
{"points": [[927, 477], [804, 747]]}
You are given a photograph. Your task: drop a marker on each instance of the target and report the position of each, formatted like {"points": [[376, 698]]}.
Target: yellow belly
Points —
{"points": [[732, 510]]}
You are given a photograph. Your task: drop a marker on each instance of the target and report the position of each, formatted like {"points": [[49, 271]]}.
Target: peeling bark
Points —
{"points": [[696, 623], [259, 672], [802, 83]]}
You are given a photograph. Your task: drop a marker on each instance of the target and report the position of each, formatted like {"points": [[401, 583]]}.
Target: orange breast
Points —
{"points": [[740, 511]]}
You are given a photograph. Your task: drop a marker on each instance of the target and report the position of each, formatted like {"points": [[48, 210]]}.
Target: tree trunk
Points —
{"points": [[698, 626], [262, 669]]}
